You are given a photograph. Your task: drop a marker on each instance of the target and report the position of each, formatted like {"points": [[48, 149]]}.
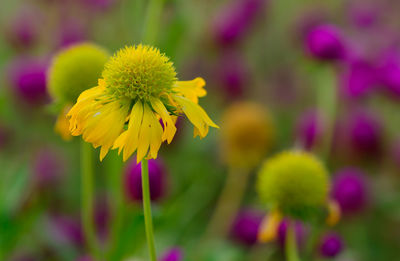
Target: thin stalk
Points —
{"points": [[291, 244], [152, 24], [87, 199], [147, 211], [228, 204]]}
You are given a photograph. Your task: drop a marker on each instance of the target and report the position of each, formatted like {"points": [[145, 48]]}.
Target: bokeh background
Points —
{"points": [[327, 72]]}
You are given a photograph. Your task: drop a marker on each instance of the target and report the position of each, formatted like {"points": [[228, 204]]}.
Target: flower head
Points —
{"points": [[157, 180], [325, 42], [138, 88], [294, 182], [331, 245], [247, 134], [349, 190], [246, 225]]}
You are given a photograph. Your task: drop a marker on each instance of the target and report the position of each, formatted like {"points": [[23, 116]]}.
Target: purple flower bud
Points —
{"points": [[28, 77], [100, 5], [309, 129], [47, 168], [325, 42], [389, 73], [331, 245], [236, 20], [358, 79], [300, 231], [174, 254], [133, 180], [67, 229], [349, 190], [23, 30], [245, 226], [84, 258], [71, 32], [232, 75]]}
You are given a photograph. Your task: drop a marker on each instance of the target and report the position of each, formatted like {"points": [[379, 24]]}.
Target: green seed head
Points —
{"points": [[139, 72], [297, 183], [74, 70]]}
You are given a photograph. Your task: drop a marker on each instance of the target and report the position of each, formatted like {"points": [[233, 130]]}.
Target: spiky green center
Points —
{"points": [[139, 72]]}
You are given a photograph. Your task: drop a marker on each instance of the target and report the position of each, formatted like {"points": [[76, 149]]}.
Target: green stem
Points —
{"points": [[147, 211], [153, 16], [87, 198], [291, 244]]}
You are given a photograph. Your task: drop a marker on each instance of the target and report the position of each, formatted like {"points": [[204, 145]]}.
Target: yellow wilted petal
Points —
{"points": [[62, 124], [191, 89], [269, 227], [169, 126], [196, 115]]}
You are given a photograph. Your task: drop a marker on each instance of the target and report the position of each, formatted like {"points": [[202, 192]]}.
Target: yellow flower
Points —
{"points": [[135, 103]]}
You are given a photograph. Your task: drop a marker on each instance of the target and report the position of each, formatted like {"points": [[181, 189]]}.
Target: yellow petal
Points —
{"points": [[191, 89], [269, 227], [169, 126], [196, 115], [334, 213], [62, 124]]}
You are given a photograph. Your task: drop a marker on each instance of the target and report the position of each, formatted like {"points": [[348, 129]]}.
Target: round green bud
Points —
{"points": [[139, 72], [75, 69], [295, 182]]}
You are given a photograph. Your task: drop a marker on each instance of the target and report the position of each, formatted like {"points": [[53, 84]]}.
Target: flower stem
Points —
{"points": [[147, 211], [153, 15], [87, 198], [291, 244]]}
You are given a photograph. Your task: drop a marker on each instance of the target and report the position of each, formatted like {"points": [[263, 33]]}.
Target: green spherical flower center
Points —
{"points": [[295, 182], [139, 72], [74, 70]]}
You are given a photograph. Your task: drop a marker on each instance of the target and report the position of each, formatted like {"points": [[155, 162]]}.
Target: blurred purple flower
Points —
{"points": [[364, 14], [48, 168], [358, 79], [72, 32], [236, 20], [232, 74], [173, 254], [67, 229], [389, 73], [100, 5], [300, 231], [28, 77], [23, 30], [84, 258], [309, 129], [331, 245], [349, 190], [245, 226], [325, 42], [157, 180]]}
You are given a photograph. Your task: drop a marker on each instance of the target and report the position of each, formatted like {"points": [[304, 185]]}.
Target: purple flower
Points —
{"points": [[245, 226], [349, 190], [358, 79], [389, 73], [309, 129], [173, 254], [47, 168], [84, 258], [300, 231], [232, 75], [331, 245], [157, 180], [325, 42], [28, 77], [236, 20], [67, 229], [23, 30], [71, 32]]}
